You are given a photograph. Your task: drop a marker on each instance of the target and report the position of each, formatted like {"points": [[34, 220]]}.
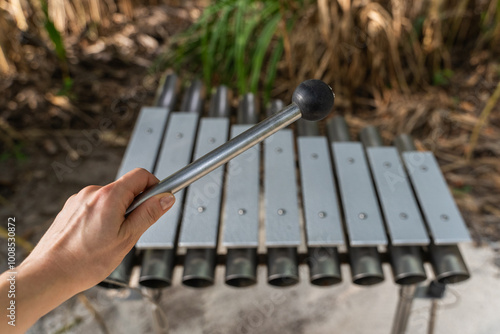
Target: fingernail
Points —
{"points": [[167, 201]]}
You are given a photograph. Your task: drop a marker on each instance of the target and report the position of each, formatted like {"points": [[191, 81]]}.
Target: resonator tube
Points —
{"points": [[241, 263], [323, 262], [282, 262], [165, 98], [199, 263], [406, 261]]}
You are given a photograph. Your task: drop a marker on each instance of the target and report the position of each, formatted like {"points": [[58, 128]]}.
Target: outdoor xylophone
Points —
{"points": [[360, 203]]}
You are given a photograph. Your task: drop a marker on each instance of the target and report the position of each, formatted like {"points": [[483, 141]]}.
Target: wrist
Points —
{"points": [[49, 276]]}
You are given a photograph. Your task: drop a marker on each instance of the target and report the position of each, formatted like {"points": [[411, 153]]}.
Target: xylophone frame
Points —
{"points": [[365, 258]]}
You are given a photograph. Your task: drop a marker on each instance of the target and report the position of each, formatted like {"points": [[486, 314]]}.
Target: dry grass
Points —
{"points": [[375, 47]]}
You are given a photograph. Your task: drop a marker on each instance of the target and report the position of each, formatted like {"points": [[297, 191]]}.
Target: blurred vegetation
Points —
{"points": [[372, 46], [367, 50], [46, 23], [428, 68], [231, 40]]}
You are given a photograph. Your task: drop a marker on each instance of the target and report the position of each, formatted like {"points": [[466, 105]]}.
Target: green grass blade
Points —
{"points": [[272, 68]]}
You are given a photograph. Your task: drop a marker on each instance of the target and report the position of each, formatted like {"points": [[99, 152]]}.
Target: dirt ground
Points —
{"points": [[52, 146], [300, 309]]}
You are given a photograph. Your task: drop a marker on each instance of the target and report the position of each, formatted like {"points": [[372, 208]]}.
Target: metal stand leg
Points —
{"points": [[406, 296]]}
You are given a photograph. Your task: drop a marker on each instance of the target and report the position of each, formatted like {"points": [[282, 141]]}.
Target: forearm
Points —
{"points": [[29, 294]]}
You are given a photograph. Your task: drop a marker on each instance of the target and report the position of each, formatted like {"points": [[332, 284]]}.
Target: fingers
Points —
{"points": [[81, 195], [139, 220], [132, 184]]}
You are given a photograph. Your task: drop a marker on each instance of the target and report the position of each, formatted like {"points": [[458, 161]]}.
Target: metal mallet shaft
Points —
{"points": [[312, 100]]}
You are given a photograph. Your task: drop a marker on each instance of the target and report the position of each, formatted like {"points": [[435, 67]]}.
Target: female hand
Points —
{"points": [[85, 243]]}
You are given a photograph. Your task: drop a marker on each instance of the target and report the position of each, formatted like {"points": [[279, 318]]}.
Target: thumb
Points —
{"points": [[146, 214]]}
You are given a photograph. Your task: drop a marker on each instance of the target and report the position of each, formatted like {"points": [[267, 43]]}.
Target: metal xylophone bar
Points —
{"points": [[364, 225]]}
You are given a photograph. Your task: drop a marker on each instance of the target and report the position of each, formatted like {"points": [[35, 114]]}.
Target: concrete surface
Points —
{"points": [[469, 307]]}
